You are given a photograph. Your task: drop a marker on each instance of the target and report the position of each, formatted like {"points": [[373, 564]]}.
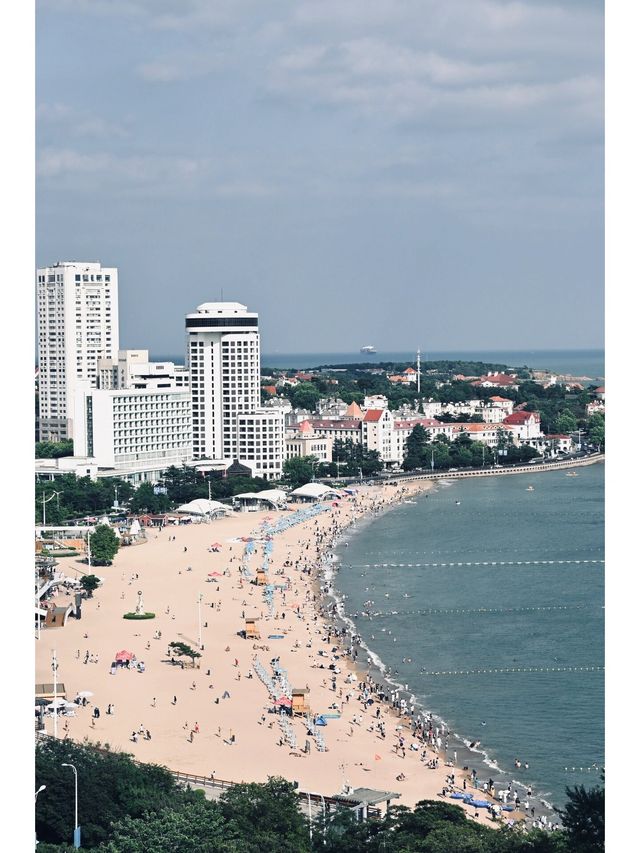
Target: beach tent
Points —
{"points": [[202, 507], [314, 492], [135, 528], [271, 498], [124, 655]]}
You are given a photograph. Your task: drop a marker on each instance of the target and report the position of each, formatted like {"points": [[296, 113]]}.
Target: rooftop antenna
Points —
{"points": [[418, 366]]}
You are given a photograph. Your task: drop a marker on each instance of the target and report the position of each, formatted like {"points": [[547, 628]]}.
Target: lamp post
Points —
{"points": [[54, 669], [39, 791], [76, 828], [45, 501], [200, 620]]}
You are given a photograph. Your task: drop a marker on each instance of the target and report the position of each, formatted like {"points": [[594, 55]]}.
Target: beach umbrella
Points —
{"points": [[84, 694], [283, 702], [215, 575], [43, 702], [124, 655]]}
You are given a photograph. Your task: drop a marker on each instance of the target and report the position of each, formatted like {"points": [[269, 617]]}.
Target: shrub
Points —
{"points": [[139, 616]]}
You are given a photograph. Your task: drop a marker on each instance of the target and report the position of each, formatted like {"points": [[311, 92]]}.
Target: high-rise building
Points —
{"points": [[223, 357], [77, 304], [134, 370]]}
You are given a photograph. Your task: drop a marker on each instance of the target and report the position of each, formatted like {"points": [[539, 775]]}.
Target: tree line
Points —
{"points": [[139, 808]]}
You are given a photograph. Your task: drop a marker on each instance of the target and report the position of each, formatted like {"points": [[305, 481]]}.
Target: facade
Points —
{"points": [[377, 433], [338, 430], [132, 369], [525, 425], [223, 357], [77, 307], [496, 409], [137, 434], [402, 430], [307, 443], [260, 442], [223, 360]]}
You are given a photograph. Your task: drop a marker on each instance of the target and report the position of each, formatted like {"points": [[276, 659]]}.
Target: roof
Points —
{"points": [[270, 389], [272, 496], [425, 422], [521, 418], [337, 424], [368, 796], [559, 436], [305, 426], [599, 390], [498, 379], [354, 410], [373, 415], [472, 427], [501, 399], [410, 370], [202, 506], [315, 490]]}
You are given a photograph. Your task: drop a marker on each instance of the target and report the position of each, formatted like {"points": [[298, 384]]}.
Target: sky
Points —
{"points": [[402, 173]]}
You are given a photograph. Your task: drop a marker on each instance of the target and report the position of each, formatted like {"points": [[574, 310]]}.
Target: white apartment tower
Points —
{"points": [[77, 305], [223, 357]]}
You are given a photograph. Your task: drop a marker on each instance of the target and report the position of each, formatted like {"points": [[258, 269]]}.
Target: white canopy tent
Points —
{"points": [[203, 507], [273, 498], [314, 492]]}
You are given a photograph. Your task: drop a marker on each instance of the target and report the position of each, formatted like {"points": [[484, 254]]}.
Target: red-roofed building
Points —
{"points": [[308, 443], [525, 424], [498, 380], [342, 429], [559, 443], [377, 429], [407, 377], [496, 409], [270, 389], [599, 392]]}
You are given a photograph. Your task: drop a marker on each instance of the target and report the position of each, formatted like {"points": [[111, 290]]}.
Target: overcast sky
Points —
{"points": [[397, 172]]}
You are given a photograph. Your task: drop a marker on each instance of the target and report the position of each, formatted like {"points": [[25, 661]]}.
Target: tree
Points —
{"points": [[265, 817], [299, 470], [89, 583], [184, 650], [583, 818], [104, 545], [197, 827], [304, 396], [145, 499], [54, 449], [595, 430], [566, 422], [415, 452], [112, 788]]}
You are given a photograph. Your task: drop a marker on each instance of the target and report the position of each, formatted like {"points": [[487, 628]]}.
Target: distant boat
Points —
{"points": [[369, 350], [572, 474], [409, 502], [530, 489]]}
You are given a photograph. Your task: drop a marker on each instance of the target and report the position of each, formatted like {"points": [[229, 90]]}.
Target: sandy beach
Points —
{"points": [[220, 722]]}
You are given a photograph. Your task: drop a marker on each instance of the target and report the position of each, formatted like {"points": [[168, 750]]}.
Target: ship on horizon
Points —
{"points": [[369, 350]]}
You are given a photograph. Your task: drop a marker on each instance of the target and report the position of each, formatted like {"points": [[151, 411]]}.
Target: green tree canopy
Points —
{"points": [[54, 449], [416, 449], [89, 583], [299, 470], [305, 396], [104, 545], [184, 650], [583, 819], [265, 817], [566, 422]]}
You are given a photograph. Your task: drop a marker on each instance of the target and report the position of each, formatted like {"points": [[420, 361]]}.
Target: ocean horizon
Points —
{"points": [[588, 363]]}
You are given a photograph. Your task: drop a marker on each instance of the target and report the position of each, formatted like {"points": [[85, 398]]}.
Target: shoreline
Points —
{"points": [[302, 573], [375, 666]]}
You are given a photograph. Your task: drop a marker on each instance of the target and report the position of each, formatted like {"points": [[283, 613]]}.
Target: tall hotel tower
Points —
{"points": [[223, 357], [77, 305]]}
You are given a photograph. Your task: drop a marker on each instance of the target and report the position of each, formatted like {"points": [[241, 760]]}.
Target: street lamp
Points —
{"points": [[45, 501], [39, 791], [76, 828], [54, 669]]}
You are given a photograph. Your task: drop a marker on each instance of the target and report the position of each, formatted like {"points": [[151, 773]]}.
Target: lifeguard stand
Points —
{"points": [[261, 577], [251, 629], [300, 701]]}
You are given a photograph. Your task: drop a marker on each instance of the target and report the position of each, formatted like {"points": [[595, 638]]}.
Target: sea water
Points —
{"points": [[484, 577]]}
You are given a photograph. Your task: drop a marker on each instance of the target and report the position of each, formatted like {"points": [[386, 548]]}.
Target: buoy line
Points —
{"points": [[462, 610], [515, 669], [478, 563]]}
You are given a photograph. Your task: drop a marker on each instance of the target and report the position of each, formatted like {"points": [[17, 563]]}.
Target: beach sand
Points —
{"points": [[236, 739]]}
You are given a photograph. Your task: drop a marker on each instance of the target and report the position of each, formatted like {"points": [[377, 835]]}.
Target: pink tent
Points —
{"points": [[283, 702], [215, 575], [124, 655]]}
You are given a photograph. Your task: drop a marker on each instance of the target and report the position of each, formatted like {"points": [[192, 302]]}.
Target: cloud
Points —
{"points": [[59, 162], [74, 121], [178, 68]]}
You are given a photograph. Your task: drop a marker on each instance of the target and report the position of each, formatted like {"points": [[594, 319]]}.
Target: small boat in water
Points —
{"points": [[571, 474], [409, 502], [530, 489]]}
